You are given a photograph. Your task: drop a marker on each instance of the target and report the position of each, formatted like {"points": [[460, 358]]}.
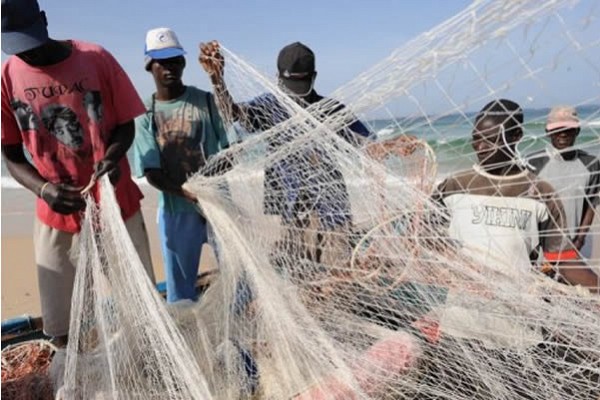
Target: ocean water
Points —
{"points": [[449, 137]]}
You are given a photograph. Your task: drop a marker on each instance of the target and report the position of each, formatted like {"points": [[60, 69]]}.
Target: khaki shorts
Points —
{"points": [[56, 269]]}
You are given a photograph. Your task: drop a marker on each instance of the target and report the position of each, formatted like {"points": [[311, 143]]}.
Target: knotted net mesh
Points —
{"points": [[25, 371], [353, 267]]}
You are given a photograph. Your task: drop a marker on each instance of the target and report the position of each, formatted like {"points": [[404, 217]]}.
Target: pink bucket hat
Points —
{"points": [[562, 117]]}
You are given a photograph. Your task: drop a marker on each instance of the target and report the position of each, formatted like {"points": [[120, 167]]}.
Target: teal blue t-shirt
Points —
{"points": [[185, 132]]}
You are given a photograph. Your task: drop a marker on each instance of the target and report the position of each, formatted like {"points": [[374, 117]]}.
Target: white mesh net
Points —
{"points": [[343, 272], [122, 341]]}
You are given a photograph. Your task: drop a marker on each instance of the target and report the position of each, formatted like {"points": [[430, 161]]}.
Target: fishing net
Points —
{"points": [[345, 268], [122, 342], [25, 371]]}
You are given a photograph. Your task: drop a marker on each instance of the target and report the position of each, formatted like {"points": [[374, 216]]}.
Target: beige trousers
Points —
{"points": [[55, 260]]}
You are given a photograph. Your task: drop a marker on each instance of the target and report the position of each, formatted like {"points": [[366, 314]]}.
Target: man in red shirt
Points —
{"points": [[47, 90]]}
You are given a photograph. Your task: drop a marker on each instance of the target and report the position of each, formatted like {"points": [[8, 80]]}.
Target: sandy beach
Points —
{"points": [[19, 278]]}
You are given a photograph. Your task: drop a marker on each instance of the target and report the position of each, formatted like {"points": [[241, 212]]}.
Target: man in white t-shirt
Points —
{"points": [[502, 213], [502, 216]]}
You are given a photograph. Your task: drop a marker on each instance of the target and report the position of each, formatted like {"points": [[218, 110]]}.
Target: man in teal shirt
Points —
{"points": [[179, 131]]}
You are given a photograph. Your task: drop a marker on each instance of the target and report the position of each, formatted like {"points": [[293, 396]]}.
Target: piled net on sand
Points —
{"points": [[25, 371], [339, 276]]}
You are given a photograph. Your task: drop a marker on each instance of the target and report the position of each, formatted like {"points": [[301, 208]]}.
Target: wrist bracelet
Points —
{"points": [[44, 186]]}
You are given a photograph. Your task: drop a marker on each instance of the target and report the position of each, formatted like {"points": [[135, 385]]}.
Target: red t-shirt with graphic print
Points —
{"points": [[64, 115]]}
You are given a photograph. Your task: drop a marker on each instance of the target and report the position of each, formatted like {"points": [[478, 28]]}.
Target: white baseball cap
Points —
{"points": [[161, 43]]}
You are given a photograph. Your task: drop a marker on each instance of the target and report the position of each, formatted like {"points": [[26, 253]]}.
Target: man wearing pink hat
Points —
{"points": [[574, 174]]}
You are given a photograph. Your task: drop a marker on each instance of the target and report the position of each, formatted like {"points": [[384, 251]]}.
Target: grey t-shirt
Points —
{"points": [[576, 182]]}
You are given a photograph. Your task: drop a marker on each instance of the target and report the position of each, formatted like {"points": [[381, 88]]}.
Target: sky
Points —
{"points": [[346, 36]]}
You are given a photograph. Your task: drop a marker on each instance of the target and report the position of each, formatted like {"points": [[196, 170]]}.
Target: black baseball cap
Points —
{"points": [[23, 27], [296, 65]]}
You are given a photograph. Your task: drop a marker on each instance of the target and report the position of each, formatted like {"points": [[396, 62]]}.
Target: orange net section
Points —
{"points": [[25, 371]]}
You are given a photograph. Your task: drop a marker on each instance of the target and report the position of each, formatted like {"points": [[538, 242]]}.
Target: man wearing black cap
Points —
{"points": [[296, 65], [294, 185], [297, 74], [47, 88]]}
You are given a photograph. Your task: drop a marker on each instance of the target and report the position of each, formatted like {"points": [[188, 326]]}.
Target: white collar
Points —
{"points": [[477, 168]]}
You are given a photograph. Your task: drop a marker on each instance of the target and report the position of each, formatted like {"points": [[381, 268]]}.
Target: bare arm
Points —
{"points": [[577, 273], [21, 169], [120, 141], [584, 228], [213, 63], [157, 178], [62, 198], [559, 253]]}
